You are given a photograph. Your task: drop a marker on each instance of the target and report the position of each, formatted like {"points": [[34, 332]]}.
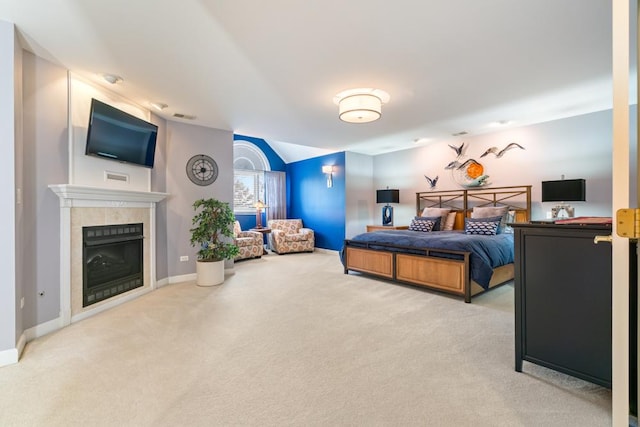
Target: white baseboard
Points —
{"points": [[326, 251], [8, 357], [43, 329], [12, 355], [162, 282], [182, 278]]}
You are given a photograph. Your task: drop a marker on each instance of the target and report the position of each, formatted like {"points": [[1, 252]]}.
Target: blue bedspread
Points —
{"points": [[486, 252]]}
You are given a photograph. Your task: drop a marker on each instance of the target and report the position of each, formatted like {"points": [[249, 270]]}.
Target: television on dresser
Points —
{"points": [[115, 135], [565, 190]]}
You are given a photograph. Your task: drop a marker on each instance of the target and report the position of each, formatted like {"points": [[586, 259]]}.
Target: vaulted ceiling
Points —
{"points": [[270, 69]]}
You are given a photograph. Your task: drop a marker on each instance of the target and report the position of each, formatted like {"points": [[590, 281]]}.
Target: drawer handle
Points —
{"points": [[598, 239]]}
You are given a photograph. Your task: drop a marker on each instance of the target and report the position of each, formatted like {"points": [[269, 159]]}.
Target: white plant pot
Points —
{"points": [[209, 273]]}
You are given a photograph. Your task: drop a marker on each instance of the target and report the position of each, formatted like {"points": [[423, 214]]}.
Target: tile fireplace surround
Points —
{"points": [[82, 206]]}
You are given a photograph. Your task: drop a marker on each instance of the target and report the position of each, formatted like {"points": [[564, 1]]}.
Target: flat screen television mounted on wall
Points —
{"points": [[116, 135]]}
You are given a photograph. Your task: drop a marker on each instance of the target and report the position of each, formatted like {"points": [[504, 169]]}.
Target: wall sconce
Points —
{"points": [[259, 205], [328, 169]]}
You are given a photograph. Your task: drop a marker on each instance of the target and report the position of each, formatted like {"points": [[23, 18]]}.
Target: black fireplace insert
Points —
{"points": [[112, 261]]}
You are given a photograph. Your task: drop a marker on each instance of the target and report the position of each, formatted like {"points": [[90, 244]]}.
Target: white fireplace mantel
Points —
{"points": [[72, 195], [81, 196]]}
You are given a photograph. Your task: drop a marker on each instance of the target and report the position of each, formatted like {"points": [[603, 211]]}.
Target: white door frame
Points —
{"points": [[621, 32]]}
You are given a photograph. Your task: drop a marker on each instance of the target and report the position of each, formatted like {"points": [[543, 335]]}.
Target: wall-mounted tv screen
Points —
{"points": [[116, 135], [566, 190]]}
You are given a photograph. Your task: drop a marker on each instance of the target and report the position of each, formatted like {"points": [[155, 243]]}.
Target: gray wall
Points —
{"points": [[578, 147], [359, 189], [10, 327], [46, 154], [159, 184], [183, 142]]}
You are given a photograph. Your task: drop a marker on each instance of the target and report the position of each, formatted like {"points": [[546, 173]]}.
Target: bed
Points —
{"points": [[447, 261]]}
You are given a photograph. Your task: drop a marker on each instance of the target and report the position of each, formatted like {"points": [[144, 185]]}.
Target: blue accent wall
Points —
{"points": [[276, 163], [320, 208]]}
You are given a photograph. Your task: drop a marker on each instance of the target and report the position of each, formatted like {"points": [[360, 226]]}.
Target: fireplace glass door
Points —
{"points": [[112, 261]]}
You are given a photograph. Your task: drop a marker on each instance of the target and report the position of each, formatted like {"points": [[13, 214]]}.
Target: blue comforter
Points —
{"points": [[486, 252]]}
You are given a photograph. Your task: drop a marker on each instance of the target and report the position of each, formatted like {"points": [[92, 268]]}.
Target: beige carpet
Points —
{"points": [[291, 340]]}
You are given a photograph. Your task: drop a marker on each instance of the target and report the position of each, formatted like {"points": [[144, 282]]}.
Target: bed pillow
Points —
{"points": [[422, 224], [450, 222], [511, 218], [483, 226], [435, 219], [441, 212], [492, 211]]}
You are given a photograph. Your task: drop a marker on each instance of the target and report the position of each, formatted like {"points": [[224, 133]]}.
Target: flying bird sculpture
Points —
{"points": [[432, 182], [458, 150], [500, 153], [467, 163], [453, 165]]}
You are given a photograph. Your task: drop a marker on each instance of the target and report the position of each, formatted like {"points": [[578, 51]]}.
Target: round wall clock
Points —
{"points": [[202, 169]]}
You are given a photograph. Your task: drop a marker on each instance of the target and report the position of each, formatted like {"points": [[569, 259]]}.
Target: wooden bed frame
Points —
{"points": [[433, 272]]}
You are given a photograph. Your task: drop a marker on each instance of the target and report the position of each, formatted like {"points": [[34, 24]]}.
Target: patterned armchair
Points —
{"points": [[288, 235], [249, 242]]}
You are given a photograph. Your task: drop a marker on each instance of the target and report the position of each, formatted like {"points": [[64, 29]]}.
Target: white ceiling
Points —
{"points": [[270, 69]]}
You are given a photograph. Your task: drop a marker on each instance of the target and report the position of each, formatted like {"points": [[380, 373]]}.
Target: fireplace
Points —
{"points": [[112, 259]]}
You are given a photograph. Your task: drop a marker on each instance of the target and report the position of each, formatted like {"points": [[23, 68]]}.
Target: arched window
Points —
{"points": [[249, 166]]}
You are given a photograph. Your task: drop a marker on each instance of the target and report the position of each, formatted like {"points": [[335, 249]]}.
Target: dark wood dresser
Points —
{"points": [[563, 299]]}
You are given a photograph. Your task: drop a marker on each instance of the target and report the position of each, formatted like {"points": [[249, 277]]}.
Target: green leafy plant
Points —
{"points": [[213, 230]]}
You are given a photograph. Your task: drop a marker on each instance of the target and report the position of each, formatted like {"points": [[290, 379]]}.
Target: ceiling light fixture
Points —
{"points": [[158, 105], [500, 123], [362, 105], [112, 78]]}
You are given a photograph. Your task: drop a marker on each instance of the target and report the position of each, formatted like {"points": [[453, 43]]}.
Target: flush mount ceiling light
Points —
{"points": [[112, 78], [362, 105]]}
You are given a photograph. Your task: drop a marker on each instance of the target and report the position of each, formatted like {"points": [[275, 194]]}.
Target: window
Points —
{"points": [[248, 188], [249, 164]]}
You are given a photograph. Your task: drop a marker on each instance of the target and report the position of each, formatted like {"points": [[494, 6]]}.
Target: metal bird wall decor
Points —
{"points": [[467, 163], [499, 153], [432, 182], [459, 150]]}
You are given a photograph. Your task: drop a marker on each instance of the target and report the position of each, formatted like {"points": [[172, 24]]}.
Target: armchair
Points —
{"points": [[249, 242], [288, 235]]}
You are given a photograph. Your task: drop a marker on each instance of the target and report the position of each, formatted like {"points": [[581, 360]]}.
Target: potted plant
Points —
{"points": [[213, 233]]}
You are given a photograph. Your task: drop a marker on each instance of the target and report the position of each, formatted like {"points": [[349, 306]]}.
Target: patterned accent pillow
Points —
{"points": [[482, 226], [436, 221], [492, 211], [419, 224], [437, 212]]}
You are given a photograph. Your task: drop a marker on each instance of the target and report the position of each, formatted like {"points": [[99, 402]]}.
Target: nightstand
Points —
{"points": [[386, 227]]}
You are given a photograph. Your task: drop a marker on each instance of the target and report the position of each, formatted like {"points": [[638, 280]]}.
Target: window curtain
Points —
{"points": [[276, 194]]}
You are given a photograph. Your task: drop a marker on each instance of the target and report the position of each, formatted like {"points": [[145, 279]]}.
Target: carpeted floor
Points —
{"points": [[291, 340]]}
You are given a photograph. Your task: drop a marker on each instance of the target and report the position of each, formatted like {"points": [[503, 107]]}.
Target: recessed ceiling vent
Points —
{"points": [[464, 132], [184, 116]]}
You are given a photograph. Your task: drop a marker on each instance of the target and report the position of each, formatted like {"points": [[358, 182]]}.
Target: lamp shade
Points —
{"points": [[361, 105], [327, 169], [566, 190], [360, 108], [387, 196]]}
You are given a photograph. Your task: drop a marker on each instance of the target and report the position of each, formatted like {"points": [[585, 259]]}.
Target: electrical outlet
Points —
{"points": [[22, 302], [184, 258]]}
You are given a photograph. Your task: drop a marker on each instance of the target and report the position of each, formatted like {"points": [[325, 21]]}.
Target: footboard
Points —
{"points": [[421, 269]]}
